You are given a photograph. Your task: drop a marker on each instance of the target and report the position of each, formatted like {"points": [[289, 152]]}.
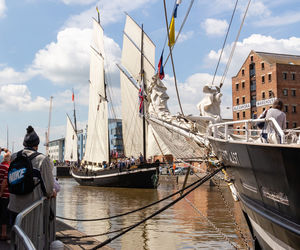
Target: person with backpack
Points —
{"points": [[30, 175], [4, 196]]}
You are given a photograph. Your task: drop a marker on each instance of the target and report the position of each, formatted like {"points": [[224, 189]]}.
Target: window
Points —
{"points": [[238, 130], [243, 85], [284, 75], [243, 72], [269, 77], [271, 94], [294, 109], [293, 76], [243, 99], [293, 92], [244, 114], [251, 58], [238, 116], [287, 124], [285, 92], [294, 124], [263, 79], [262, 66], [286, 108], [263, 95], [237, 101], [237, 87]]}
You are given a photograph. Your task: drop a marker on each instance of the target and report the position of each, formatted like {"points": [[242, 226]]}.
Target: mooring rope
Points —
{"points": [[133, 211], [204, 179]]}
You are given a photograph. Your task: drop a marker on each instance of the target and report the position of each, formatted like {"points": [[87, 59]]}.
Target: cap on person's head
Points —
{"points": [[31, 139], [7, 156]]}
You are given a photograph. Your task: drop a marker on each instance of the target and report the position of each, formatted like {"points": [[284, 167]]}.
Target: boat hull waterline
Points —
{"points": [[267, 178], [142, 177]]}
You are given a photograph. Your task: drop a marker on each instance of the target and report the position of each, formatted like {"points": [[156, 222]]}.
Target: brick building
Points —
{"points": [[262, 78]]}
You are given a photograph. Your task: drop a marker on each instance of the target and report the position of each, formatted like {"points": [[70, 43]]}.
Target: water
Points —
{"points": [[179, 227]]}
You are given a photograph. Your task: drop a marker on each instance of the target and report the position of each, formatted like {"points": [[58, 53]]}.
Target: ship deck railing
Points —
{"points": [[34, 227], [249, 131]]}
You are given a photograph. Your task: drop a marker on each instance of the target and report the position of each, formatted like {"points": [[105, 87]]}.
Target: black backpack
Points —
{"points": [[21, 173]]}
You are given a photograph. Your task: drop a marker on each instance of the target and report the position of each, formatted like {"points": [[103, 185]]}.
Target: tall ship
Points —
{"points": [[96, 169]]}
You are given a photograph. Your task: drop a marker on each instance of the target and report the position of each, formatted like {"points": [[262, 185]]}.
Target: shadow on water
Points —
{"points": [[179, 227]]}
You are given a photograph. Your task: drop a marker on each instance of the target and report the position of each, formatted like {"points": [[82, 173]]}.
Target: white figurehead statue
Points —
{"points": [[209, 106], [158, 98]]}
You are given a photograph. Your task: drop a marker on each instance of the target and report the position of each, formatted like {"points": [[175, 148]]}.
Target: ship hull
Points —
{"points": [[267, 178], [143, 176]]}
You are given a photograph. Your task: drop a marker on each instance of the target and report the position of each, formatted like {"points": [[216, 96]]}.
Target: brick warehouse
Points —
{"points": [[262, 78]]}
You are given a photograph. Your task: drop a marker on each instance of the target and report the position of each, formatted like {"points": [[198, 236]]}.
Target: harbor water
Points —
{"points": [[182, 226]]}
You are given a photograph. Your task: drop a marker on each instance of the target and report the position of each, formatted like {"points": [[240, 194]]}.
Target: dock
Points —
{"points": [[64, 230]]}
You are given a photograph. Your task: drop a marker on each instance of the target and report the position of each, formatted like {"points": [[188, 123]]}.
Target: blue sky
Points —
{"points": [[44, 51]]}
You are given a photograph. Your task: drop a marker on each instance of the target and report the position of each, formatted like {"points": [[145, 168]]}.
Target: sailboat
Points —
{"points": [[70, 150], [95, 167]]}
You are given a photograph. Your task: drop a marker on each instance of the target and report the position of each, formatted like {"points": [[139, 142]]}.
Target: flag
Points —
{"points": [[72, 96], [160, 69], [141, 100], [98, 14], [172, 32]]}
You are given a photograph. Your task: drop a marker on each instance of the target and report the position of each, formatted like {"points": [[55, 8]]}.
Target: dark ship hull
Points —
{"points": [[267, 178], [141, 176]]}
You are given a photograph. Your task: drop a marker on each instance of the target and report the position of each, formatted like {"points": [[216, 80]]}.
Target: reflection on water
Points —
{"points": [[179, 227]]}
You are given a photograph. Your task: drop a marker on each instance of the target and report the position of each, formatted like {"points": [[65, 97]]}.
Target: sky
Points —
{"points": [[45, 51]]}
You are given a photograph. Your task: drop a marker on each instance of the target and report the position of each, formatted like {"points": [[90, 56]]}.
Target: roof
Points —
{"points": [[279, 58]]}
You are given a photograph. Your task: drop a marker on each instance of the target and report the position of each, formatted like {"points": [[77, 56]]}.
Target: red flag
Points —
{"points": [[160, 69], [141, 100], [73, 97]]}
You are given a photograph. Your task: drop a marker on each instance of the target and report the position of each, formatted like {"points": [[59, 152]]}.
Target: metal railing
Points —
{"points": [[34, 227], [213, 129]]}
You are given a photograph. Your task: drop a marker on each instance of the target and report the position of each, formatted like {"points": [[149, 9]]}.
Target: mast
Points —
{"points": [[143, 88], [75, 125], [48, 132]]}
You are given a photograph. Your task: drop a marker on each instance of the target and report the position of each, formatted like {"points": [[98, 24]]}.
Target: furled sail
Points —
{"points": [[70, 153], [131, 82], [97, 149]]}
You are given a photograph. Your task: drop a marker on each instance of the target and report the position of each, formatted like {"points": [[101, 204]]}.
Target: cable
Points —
{"points": [[133, 211], [212, 83], [234, 46], [204, 179]]}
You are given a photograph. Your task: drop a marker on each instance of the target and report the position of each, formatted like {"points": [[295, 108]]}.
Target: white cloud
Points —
{"points": [[111, 11], [184, 36], [18, 97], [255, 42], [8, 75], [215, 26], [275, 21], [66, 62], [2, 8], [81, 2]]}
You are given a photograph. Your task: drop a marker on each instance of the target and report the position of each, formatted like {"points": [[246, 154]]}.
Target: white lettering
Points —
{"points": [[16, 175]]}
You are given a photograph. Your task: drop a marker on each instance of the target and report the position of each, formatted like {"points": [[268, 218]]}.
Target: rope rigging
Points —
{"points": [[234, 46], [212, 83]]}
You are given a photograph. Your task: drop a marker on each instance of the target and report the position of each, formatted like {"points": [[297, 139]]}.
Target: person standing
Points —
{"points": [[4, 197], [275, 112], [43, 186]]}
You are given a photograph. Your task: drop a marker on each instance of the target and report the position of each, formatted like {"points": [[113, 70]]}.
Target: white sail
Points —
{"points": [[96, 150], [131, 82], [70, 153]]}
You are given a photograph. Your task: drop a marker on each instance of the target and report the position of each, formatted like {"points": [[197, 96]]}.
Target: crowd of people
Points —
{"points": [[13, 199]]}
